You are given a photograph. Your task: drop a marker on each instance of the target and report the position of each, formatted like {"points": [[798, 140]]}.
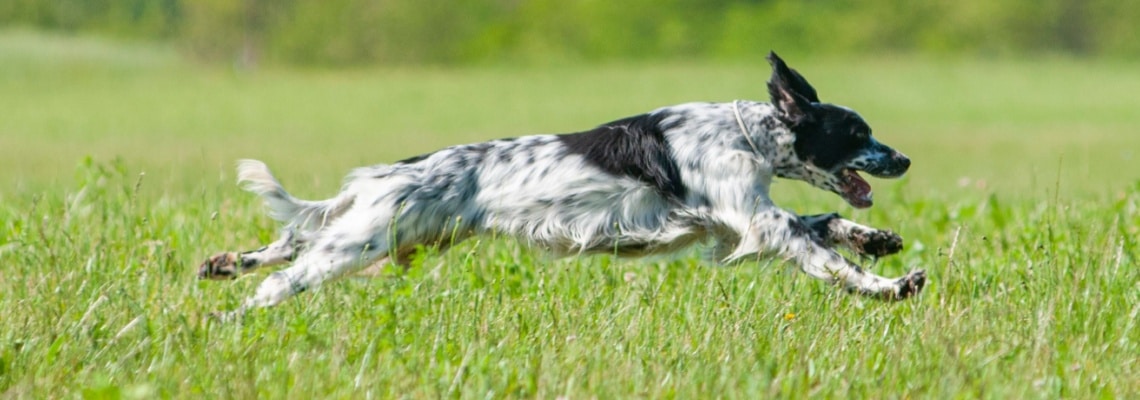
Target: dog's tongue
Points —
{"points": [[857, 191]]}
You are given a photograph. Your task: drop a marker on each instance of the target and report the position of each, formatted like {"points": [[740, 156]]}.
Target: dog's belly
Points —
{"points": [[616, 216]]}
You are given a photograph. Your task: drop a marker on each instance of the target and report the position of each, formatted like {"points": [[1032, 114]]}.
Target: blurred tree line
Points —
{"points": [[358, 32]]}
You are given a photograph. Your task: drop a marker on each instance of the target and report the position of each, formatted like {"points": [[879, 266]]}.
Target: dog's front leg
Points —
{"points": [[835, 230], [786, 234]]}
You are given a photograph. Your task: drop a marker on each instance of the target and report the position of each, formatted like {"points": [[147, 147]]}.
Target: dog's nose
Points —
{"points": [[902, 160]]}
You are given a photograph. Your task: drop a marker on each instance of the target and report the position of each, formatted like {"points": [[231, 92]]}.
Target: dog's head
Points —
{"points": [[832, 142]]}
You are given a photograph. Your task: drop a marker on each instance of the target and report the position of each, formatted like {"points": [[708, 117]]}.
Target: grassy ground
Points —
{"points": [[116, 180]]}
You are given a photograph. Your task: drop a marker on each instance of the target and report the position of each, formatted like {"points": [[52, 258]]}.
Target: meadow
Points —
{"points": [[117, 180]]}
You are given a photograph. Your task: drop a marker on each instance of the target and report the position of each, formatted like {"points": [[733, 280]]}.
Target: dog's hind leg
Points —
{"points": [[785, 233], [230, 264], [348, 245], [834, 230]]}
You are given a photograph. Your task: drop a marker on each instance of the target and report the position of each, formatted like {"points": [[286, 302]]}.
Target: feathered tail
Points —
{"points": [[254, 176]]}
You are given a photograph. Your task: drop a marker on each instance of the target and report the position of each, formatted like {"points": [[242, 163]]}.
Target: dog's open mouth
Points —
{"points": [[856, 190]]}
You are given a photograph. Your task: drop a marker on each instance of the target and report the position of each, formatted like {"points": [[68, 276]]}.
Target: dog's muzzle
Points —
{"points": [[893, 165]]}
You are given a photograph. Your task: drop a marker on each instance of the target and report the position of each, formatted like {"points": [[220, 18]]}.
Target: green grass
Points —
{"points": [[116, 180]]}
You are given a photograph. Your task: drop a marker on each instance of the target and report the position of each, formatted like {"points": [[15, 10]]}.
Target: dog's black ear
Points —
{"points": [[790, 92], [796, 81]]}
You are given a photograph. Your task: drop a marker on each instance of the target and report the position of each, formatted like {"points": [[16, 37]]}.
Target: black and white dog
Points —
{"points": [[648, 184]]}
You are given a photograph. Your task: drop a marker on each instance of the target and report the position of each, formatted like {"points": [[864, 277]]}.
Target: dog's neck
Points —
{"points": [[775, 144], [743, 128]]}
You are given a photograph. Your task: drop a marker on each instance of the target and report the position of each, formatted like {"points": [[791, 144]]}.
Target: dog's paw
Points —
{"points": [[879, 243], [220, 266], [911, 284]]}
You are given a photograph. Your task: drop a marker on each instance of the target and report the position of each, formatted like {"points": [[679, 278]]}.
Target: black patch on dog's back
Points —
{"points": [[633, 147]]}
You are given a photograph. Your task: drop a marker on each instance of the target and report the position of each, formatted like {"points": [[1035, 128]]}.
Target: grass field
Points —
{"points": [[116, 180]]}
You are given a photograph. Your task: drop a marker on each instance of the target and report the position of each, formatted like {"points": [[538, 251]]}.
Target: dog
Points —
{"points": [[648, 184]]}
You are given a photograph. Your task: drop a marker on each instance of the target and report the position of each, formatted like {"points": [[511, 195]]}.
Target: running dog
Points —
{"points": [[648, 184]]}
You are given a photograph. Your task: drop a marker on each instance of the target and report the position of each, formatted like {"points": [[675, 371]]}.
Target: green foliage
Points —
{"points": [[132, 18], [357, 32]]}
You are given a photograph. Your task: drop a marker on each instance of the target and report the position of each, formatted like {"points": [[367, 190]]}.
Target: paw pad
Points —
{"points": [[219, 266], [911, 284], [882, 243]]}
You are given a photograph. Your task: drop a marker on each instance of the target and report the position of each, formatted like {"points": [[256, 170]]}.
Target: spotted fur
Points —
{"points": [[649, 184]]}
